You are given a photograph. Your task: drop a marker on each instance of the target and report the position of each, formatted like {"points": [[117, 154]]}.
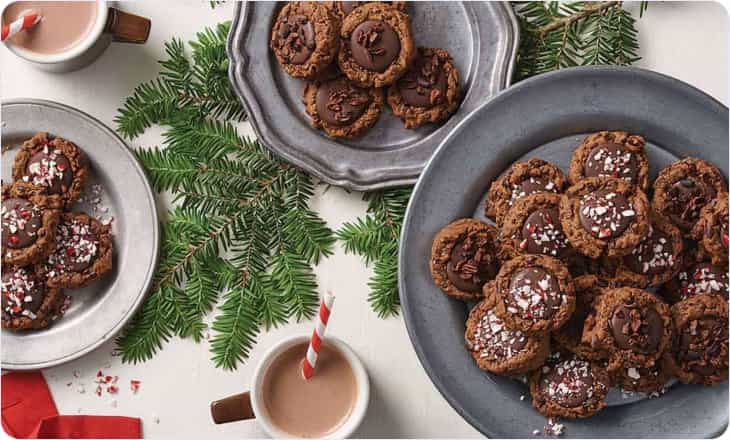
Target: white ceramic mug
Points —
{"points": [[111, 24], [250, 404]]}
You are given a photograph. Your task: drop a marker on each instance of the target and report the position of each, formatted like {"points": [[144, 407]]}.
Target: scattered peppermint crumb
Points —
{"points": [[155, 419], [522, 397], [536, 432], [81, 389]]}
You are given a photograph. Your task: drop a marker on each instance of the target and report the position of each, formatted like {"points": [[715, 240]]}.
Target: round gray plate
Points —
{"points": [[481, 36], [101, 309], [547, 116]]}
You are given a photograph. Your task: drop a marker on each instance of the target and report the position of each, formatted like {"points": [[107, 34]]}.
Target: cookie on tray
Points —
{"points": [[341, 108], [588, 289], [304, 38], [429, 92], [611, 154], [520, 180], [683, 188], [29, 219], [532, 226], [697, 277], [54, 164], [496, 348], [464, 258], [711, 229], [699, 349], [571, 388], [535, 294], [83, 251], [632, 325], [377, 45], [28, 303], [343, 8], [656, 259], [604, 216], [643, 379]]}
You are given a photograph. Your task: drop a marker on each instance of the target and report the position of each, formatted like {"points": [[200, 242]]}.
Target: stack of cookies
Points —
{"points": [[45, 246], [352, 55], [586, 282]]}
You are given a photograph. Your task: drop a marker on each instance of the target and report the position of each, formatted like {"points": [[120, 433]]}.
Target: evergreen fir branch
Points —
{"points": [[237, 326], [383, 284]]}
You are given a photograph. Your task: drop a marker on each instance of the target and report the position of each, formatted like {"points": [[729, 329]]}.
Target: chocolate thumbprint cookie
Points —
{"points": [[699, 350], [535, 294], [632, 325], [429, 92], [611, 154], [464, 258], [29, 219], [377, 45], [28, 303], [711, 229], [54, 164], [495, 347], [520, 180], [341, 108], [697, 278], [588, 290], [683, 188], [83, 251], [604, 216], [304, 38], [571, 388]]}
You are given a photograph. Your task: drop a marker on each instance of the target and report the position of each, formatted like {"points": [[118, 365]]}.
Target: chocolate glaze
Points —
{"points": [[612, 160], [542, 233], [21, 221], [374, 45], [653, 255], [76, 248], [51, 169], [569, 383], [530, 186], [534, 293], [605, 213], [685, 198]]}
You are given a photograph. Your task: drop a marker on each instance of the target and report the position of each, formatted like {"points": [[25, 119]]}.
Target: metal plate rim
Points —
{"points": [[422, 183], [148, 277], [346, 179]]}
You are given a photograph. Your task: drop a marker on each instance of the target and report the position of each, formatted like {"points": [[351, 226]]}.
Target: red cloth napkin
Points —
{"points": [[28, 411]]}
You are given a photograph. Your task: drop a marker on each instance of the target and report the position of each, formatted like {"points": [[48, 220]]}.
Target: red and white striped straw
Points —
{"points": [[310, 360], [26, 21]]}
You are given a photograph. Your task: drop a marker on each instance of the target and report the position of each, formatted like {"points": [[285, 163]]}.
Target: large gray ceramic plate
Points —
{"points": [[482, 37], [99, 311], [546, 117]]}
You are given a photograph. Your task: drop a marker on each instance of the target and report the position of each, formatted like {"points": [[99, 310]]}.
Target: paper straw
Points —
{"points": [[24, 22], [310, 360]]}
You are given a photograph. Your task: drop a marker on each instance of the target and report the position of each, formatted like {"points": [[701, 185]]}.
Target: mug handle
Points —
{"points": [[126, 27], [232, 408]]}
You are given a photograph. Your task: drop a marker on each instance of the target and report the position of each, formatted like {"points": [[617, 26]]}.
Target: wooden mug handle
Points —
{"points": [[232, 408], [127, 28]]}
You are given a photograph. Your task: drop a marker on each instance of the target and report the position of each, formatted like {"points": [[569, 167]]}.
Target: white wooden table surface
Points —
{"points": [[682, 39]]}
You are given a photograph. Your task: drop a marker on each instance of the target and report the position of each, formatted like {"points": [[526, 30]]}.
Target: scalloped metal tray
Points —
{"points": [[481, 36]]}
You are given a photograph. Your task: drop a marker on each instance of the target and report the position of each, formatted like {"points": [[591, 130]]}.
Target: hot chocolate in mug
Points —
{"points": [[331, 404], [71, 34]]}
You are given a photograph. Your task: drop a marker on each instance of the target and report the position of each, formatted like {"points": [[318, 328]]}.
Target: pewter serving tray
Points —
{"points": [[98, 311], [547, 117], [482, 37]]}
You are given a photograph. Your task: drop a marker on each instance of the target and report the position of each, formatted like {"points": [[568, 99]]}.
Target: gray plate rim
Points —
{"points": [[148, 276], [422, 185], [406, 175]]}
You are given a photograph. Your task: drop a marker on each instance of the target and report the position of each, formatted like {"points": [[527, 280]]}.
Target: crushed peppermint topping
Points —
{"points": [[534, 294], [569, 379], [611, 160], [49, 169], [19, 290], [653, 255], [530, 186], [633, 373], [542, 233], [605, 213], [703, 278], [76, 247], [495, 341]]}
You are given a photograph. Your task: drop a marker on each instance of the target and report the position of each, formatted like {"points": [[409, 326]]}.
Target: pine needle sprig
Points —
{"points": [[555, 35], [241, 233]]}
